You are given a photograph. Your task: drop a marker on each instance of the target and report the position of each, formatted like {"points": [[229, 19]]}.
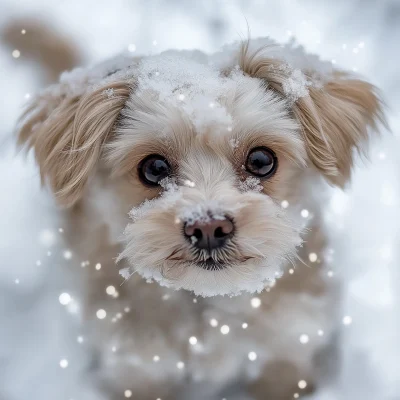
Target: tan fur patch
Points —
{"points": [[68, 134]]}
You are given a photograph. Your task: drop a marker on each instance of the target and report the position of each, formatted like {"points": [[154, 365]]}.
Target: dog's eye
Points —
{"points": [[153, 169], [261, 162]]}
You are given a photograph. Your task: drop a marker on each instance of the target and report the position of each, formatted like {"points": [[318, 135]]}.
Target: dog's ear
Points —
{"points": [[67, 133], [336, 120], [336, 115]]}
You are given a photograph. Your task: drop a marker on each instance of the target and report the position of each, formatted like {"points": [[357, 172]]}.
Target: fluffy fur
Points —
{"points": [[204, 114]]}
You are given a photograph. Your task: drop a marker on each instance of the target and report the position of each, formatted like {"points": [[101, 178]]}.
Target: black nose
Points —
{"points": [[211, 234]]}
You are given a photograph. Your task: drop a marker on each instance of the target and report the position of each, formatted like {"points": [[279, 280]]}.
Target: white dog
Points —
{"points": [[221, 163]]}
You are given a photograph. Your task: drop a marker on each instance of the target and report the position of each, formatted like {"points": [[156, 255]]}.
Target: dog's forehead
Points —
{"points": [[211, 100], [174, 75], [196, 87]]}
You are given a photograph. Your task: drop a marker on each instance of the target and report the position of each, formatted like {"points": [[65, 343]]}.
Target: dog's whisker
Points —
{"points": [[302, 261]]}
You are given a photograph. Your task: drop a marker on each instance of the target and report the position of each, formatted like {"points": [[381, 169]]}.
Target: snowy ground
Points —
{"points": [[363, 35]]}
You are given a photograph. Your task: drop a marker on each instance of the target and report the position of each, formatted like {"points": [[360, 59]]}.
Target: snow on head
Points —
{"points": [[195, 87], [192, 81], [296, 86], [289, 64]]}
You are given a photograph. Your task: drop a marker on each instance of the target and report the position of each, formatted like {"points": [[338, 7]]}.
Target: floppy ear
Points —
{"points": [[334, 114], [67, 134], [337, 119]]}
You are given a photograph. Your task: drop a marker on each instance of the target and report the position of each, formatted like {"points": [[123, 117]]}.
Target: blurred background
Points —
{"points": [[41, 355]]}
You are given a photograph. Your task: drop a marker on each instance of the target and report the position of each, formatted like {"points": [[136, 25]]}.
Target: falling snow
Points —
{"points": [[225, 329], [67, 254], [312, 257], [304, 339], [255, 302], [305, 213], [101, 314], [213, 322], [180, 365], [252, 356], [64, 299], [302, 384]]}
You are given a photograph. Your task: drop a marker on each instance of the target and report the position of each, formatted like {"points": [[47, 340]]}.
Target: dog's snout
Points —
{"points": [[211, 234]]}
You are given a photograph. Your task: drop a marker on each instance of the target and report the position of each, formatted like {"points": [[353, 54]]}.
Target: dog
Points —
{"points": [[205, 177]]}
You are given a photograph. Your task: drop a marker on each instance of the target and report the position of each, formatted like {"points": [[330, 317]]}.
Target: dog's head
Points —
{"points": [[209, 151]]}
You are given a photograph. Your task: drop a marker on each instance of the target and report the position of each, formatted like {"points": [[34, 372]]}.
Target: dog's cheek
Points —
{"points": [[154, 237], [283, 184], [264, 229]]}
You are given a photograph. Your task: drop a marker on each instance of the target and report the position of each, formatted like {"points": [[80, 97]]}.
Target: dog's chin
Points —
{"points": [[212, 278], [213, 265]]}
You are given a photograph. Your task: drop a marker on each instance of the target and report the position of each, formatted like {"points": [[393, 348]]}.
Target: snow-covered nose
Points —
{"points": [[211, 234]]}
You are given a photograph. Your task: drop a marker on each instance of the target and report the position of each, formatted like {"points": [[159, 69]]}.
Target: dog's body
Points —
{"points": [[160, 321], [91, 134]]}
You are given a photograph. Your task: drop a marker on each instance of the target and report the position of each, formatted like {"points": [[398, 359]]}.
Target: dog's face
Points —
{"points": [[214, 224], [209, 154]]}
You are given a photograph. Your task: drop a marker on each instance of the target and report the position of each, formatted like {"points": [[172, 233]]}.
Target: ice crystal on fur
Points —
{"points": [[125, 273], [251, 183], [201, 213], [170, 194], [189, 183], [169, 184], [234, 143], [109, 93], [296, 86], [139, 212]]}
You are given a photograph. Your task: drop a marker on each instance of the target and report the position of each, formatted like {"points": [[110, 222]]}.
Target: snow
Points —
{"points": [[202, 213], [183, 81], [170, 195], [251, 183], [169, 184], [296, 86], [109, 93], [234, 143], [370, 349], [140, 212]]}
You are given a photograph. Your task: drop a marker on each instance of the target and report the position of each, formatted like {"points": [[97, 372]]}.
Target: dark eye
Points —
{"points": [[261, 162], [153, 169]]}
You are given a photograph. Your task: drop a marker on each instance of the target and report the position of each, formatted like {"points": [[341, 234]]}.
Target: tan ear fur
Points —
{"points": [[336, 120], [335, 117], [67, 135]]}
